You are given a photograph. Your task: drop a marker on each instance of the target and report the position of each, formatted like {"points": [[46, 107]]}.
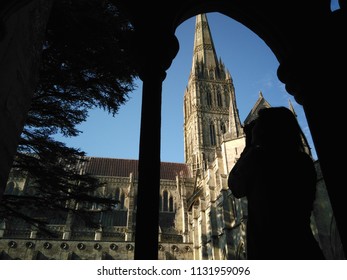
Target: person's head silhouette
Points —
{"points": [[277, 128]]}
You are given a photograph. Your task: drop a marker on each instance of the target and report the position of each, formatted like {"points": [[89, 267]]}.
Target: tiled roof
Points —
{"points": [[123, 167]]}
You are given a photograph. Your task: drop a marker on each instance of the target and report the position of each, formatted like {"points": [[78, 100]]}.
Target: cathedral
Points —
{"points": [[199, 218]]}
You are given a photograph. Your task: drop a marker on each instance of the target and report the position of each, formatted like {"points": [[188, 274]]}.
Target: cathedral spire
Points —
{"points": [[291, 108], [204, 55], [210, 112]]}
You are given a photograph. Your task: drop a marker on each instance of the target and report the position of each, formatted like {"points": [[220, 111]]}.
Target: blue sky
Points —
{"points": [[252, 66]]}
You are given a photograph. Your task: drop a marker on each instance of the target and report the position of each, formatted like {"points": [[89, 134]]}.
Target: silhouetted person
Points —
{"points": [[279, 180]]}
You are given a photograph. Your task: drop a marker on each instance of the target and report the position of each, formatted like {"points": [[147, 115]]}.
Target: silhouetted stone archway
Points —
{"points": [[307, 38], [295, 43]]}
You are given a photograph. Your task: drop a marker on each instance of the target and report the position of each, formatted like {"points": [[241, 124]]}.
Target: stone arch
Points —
{"points": [[291, 42]]}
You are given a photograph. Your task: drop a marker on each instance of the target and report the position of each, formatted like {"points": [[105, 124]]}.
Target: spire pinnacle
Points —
{"points": [[204, 52], [291, 107]]}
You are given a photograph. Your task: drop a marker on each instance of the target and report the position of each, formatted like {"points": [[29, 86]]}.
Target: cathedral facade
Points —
{"points": [[199, 218]]}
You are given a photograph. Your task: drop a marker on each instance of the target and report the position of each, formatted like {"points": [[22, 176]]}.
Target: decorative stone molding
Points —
{"points": [[114, 247], [129, 247], [81, 246], [12, 244], [64, 246], [97, 246], [30, 245], [174, 248], [47, 245]]}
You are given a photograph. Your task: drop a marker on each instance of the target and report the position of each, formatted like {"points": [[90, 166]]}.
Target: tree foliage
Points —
{"points": [[86, 64]]}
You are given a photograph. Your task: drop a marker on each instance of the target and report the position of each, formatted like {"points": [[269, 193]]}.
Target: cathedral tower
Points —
{"points": [[209, 102]]}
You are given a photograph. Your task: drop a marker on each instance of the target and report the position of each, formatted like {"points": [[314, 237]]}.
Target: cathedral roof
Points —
{"points": [[259, 104], [99, 166]]}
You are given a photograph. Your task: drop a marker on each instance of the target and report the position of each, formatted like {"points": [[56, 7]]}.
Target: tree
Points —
{"points": [[86, 63]]}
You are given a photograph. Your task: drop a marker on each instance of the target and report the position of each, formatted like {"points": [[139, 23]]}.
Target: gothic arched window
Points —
{"points": [[165, 201], [208, 98], [122, 200], [212, 135], [117, 194], [219, 99], [222, 127], [171, 208]]}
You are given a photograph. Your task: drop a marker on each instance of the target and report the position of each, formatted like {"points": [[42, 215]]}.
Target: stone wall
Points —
{"points": [[34, 249]]}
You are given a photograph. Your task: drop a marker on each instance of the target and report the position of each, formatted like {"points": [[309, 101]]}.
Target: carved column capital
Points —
{"points": [[154, 52]]}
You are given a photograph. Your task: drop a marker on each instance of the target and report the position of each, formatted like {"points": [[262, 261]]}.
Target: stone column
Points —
{"points": [[314, 74], [155, 53]]}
